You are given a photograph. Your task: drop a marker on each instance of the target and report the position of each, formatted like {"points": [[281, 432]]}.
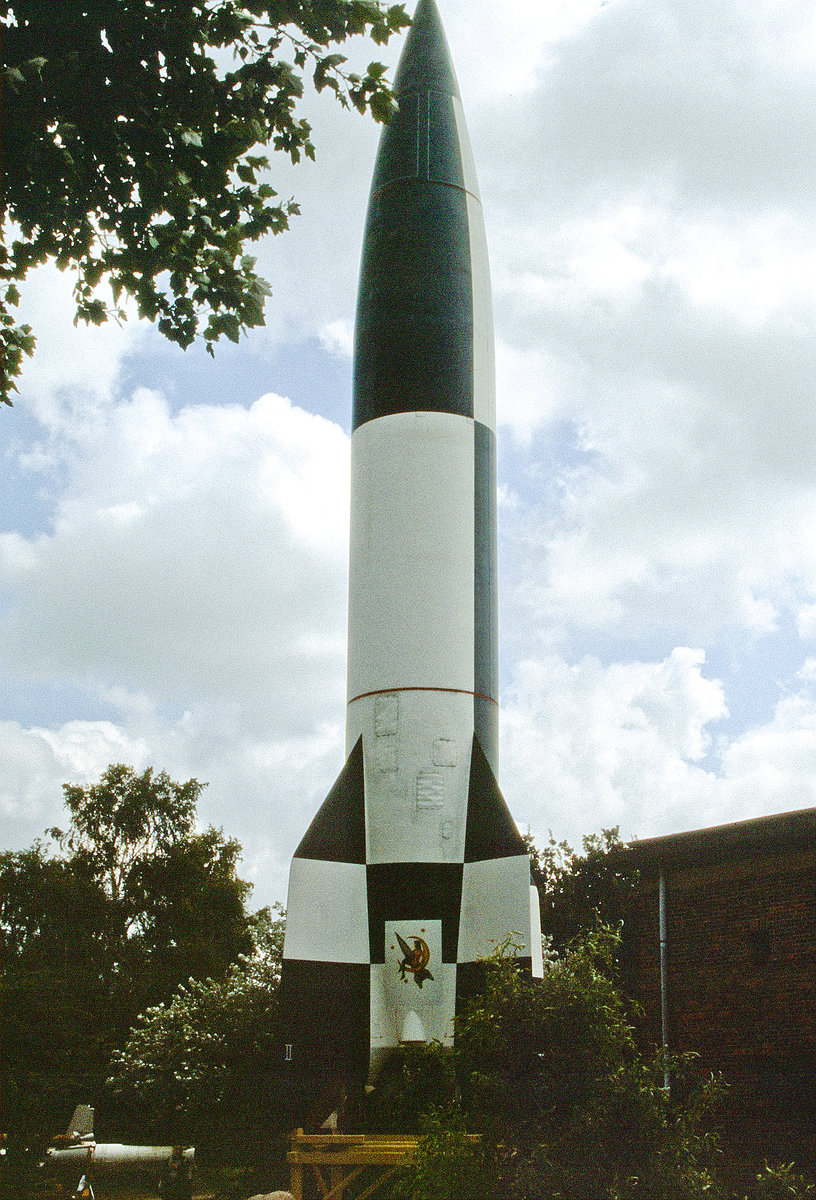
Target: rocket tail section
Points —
{"points": [[373, 949]]}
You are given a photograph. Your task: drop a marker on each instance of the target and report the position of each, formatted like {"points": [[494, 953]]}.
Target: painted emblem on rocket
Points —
{"points": [[414, 960]]}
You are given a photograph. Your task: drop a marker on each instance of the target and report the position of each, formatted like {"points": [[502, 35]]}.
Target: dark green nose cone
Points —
{"points": [[414, 337], [426, 64]]}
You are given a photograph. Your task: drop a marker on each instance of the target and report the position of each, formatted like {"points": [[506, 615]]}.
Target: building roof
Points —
{"points": [[780, 831]]}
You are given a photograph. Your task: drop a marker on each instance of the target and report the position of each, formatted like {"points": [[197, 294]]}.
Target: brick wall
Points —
{"points": [[741, 932]]}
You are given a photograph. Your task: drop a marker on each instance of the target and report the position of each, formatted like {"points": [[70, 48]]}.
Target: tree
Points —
{"points": [[52, 919], [577, 891], [134, 902], [124, 820], [130, 131], [198, 1067], [175, 903]]}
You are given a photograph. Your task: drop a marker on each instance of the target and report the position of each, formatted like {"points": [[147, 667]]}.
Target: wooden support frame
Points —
{"points": [[345, 1156]]}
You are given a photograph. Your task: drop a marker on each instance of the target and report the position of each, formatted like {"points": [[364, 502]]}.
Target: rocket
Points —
{"points": [[413, 869], [76, 1155]]}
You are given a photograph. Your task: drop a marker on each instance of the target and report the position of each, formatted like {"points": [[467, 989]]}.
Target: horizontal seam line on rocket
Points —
{"points": [[441, 183], [457, 691]]}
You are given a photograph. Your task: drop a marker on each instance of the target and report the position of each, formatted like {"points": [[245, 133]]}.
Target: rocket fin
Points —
{"points": [[327, 910], [495, 883], [81, 1123], [491, 831], [337, 833]]}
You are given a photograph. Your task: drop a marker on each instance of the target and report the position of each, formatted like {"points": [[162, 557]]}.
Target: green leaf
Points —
{"points": [[131, 164], [93, 273]]}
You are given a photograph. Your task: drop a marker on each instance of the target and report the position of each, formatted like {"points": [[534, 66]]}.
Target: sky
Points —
{"points": [[174, 531]]}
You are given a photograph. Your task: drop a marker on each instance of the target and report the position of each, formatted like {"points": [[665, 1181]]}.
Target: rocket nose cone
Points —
{"points": [[426, 62], [426, 138]]}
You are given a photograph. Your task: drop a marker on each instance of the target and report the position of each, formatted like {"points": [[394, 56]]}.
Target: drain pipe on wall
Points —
{"points": [[664, 980]]}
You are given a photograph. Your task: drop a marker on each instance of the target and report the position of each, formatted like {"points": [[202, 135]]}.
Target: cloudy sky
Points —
{"points": [[173, 553]]}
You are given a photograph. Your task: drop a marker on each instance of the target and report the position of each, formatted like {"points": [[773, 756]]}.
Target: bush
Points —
{"points": [[549, 1073], [447, 1165], [780, 1181], [414, 1082]]}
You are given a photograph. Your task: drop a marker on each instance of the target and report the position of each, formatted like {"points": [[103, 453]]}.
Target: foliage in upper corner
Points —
{"points": [[130, 131]]}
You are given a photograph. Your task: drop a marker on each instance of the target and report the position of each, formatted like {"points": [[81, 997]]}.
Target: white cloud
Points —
{"points": [[37, 761], [653, 249], [752, 270], [773, 768], [587, 747], [808, 671], [201, 554], [531, 388], [806, 621], [193, 585], [28, 773], [512, 42], [338, 338]]}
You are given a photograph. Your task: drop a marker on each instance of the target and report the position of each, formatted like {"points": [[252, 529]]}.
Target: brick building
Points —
{"points": [[738, 979]]}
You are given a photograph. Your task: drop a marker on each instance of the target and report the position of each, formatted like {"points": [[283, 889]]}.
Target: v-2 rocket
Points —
{"points": [[413, 869]]}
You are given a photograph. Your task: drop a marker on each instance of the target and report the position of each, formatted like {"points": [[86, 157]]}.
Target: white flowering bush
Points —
{"points": [[197, 1068]]}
